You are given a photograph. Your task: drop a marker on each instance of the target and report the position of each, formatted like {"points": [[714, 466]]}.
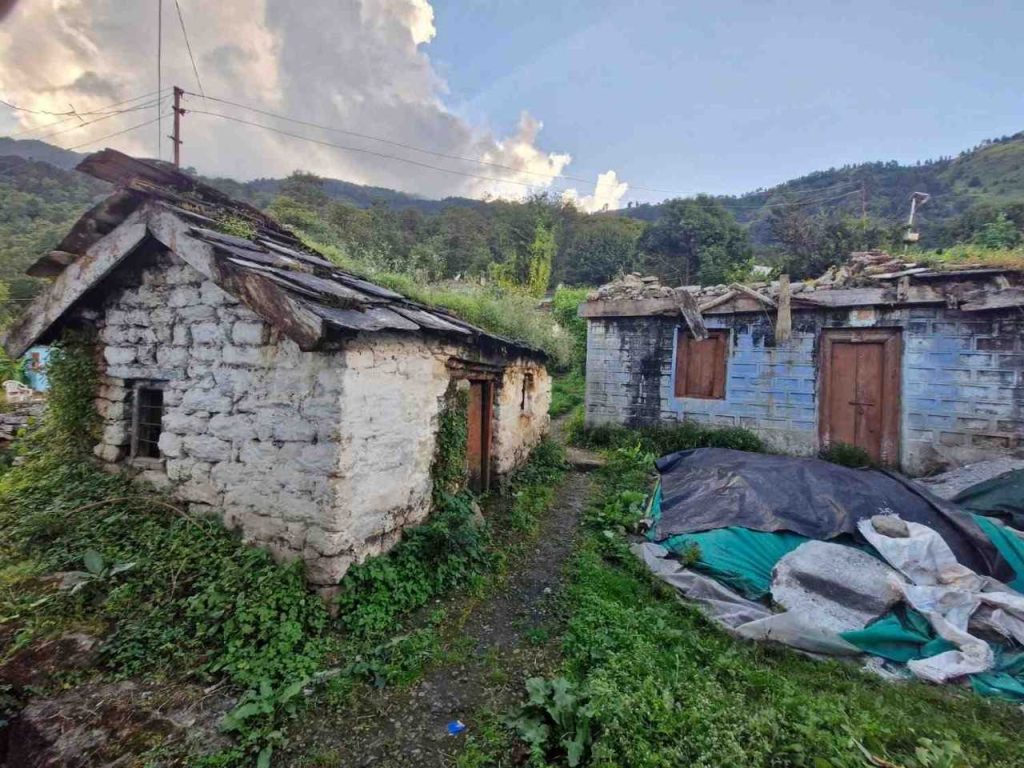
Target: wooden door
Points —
{"points": [[860, 391], [478, 439]]}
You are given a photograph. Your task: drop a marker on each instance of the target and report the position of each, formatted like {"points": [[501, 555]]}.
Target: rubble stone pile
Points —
{"points": [[858, 271]]}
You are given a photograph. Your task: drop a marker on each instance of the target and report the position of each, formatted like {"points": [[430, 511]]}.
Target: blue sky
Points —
{"points": [[724, 97]]}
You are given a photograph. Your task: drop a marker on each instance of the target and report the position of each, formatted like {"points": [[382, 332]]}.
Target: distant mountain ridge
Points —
{"points": [[991, 172]]}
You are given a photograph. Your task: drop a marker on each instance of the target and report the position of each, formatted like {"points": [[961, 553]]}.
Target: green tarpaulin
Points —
{"points": [[737, 557], [902, 636], [1009, 544]]}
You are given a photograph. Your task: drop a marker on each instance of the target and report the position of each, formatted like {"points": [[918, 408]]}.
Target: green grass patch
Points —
{"points": [[664, 687], [664, 439], [567, 392], [967, 255], [511, 314]]}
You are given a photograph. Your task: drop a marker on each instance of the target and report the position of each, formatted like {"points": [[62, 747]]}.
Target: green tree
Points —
{"points": [[1001, 232], [695, 239], [600, 248], [541, 255]]}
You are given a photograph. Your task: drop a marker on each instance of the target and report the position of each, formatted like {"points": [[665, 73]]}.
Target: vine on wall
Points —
{"points": [[449, 468], [72, 422]]}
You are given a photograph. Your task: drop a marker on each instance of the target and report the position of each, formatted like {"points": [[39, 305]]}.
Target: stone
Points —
{"points": [[247, 333], [208, 333], [207, 448], [120, 355], [891, 526], [239, 427], [170, 444], [234, 355]]}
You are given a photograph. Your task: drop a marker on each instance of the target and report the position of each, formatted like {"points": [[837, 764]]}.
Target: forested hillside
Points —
{"points": [[802, 226]]}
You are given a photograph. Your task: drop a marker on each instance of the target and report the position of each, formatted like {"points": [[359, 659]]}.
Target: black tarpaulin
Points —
{"points": [[711, 488]]}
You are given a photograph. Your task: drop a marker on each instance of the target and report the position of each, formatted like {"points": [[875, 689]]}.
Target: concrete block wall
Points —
{"points": [[962, 379], [963, 387], [631, 379]]}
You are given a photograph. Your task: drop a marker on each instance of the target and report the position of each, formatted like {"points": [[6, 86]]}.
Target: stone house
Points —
{"points": [[922, 368], [254, 379]]}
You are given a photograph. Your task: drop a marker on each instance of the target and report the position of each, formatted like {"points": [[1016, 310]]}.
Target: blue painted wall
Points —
{"points": [[962, 379]]}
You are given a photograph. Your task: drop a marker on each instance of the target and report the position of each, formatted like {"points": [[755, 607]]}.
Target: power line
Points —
{"points": [[159, 69], [147, 105], [414, 148], [361, 149], [72, 115], [188, 46], [115, 133]]}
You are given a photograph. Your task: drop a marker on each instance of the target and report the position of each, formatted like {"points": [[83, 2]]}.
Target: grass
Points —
{"points": [[965, 256], [664, 439], [665, 687], [567, 392], [504, 313], [177, 598]]}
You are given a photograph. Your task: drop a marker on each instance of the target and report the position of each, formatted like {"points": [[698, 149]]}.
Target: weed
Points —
{"points": [[664, 439], [846, 455], [567, 392], [664, 687], [556, 721]]}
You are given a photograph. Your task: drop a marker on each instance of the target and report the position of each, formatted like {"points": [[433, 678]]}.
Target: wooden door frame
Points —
{"points": [[486, 429], [892, 356]]}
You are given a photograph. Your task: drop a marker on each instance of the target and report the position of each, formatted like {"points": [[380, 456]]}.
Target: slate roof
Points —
{"points": [[272, 258]]}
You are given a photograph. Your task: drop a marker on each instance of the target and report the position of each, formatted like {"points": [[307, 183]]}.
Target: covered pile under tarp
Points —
{"points": [[845, 561]]}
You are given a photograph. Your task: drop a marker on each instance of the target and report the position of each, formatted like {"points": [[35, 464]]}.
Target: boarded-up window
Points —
{"points": [[700, 365]]}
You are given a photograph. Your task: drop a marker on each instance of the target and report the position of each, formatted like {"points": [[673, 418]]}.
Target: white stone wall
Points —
{"points": [[520, 417], [323, 456], [251, 423]]}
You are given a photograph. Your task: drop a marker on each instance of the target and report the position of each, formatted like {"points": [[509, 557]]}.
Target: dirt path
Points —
{"points": [[501, 641]]}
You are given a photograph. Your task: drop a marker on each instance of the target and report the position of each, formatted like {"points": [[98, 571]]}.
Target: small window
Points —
{"points": [[700, 365], [146, 420], [527, 390]]}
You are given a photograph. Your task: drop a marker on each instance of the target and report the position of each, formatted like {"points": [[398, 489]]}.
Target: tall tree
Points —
{"points": [[695, 239], [600, 248]]}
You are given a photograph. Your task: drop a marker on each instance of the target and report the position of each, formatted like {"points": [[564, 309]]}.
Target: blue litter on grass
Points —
{"points": [[455, 727]]}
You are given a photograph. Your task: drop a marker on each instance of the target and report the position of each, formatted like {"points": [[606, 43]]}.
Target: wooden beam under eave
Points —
{"points": [[98, 261], [274, 304], [691, 314]]}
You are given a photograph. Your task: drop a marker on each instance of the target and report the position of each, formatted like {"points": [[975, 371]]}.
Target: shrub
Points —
{"points": [[846, 455], [665, 439]]}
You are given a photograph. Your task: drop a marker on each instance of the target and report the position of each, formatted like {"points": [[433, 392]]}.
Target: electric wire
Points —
{"points": [[361, 150], [188, 46], [72, 115], [115, 133], [77, 126], [414, 148]]}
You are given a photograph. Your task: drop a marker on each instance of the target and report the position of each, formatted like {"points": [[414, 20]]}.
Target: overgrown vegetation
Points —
{"points": [[668, 438], [179, 598], [664, 687], [846, 455]]}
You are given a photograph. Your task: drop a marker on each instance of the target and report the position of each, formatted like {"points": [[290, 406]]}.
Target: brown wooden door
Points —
{"points": [[478, 439], [860, 391]]}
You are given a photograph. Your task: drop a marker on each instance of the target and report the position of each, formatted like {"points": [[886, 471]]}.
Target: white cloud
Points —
{"points": [[359, 65], [608, 193]]}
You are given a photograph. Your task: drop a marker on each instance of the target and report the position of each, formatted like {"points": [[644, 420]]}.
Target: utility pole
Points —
{"points": [[863, 203], [159, 85], [176, 137]]}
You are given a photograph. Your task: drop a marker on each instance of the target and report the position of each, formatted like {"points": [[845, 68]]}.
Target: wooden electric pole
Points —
{"points": [[176, 138]]}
